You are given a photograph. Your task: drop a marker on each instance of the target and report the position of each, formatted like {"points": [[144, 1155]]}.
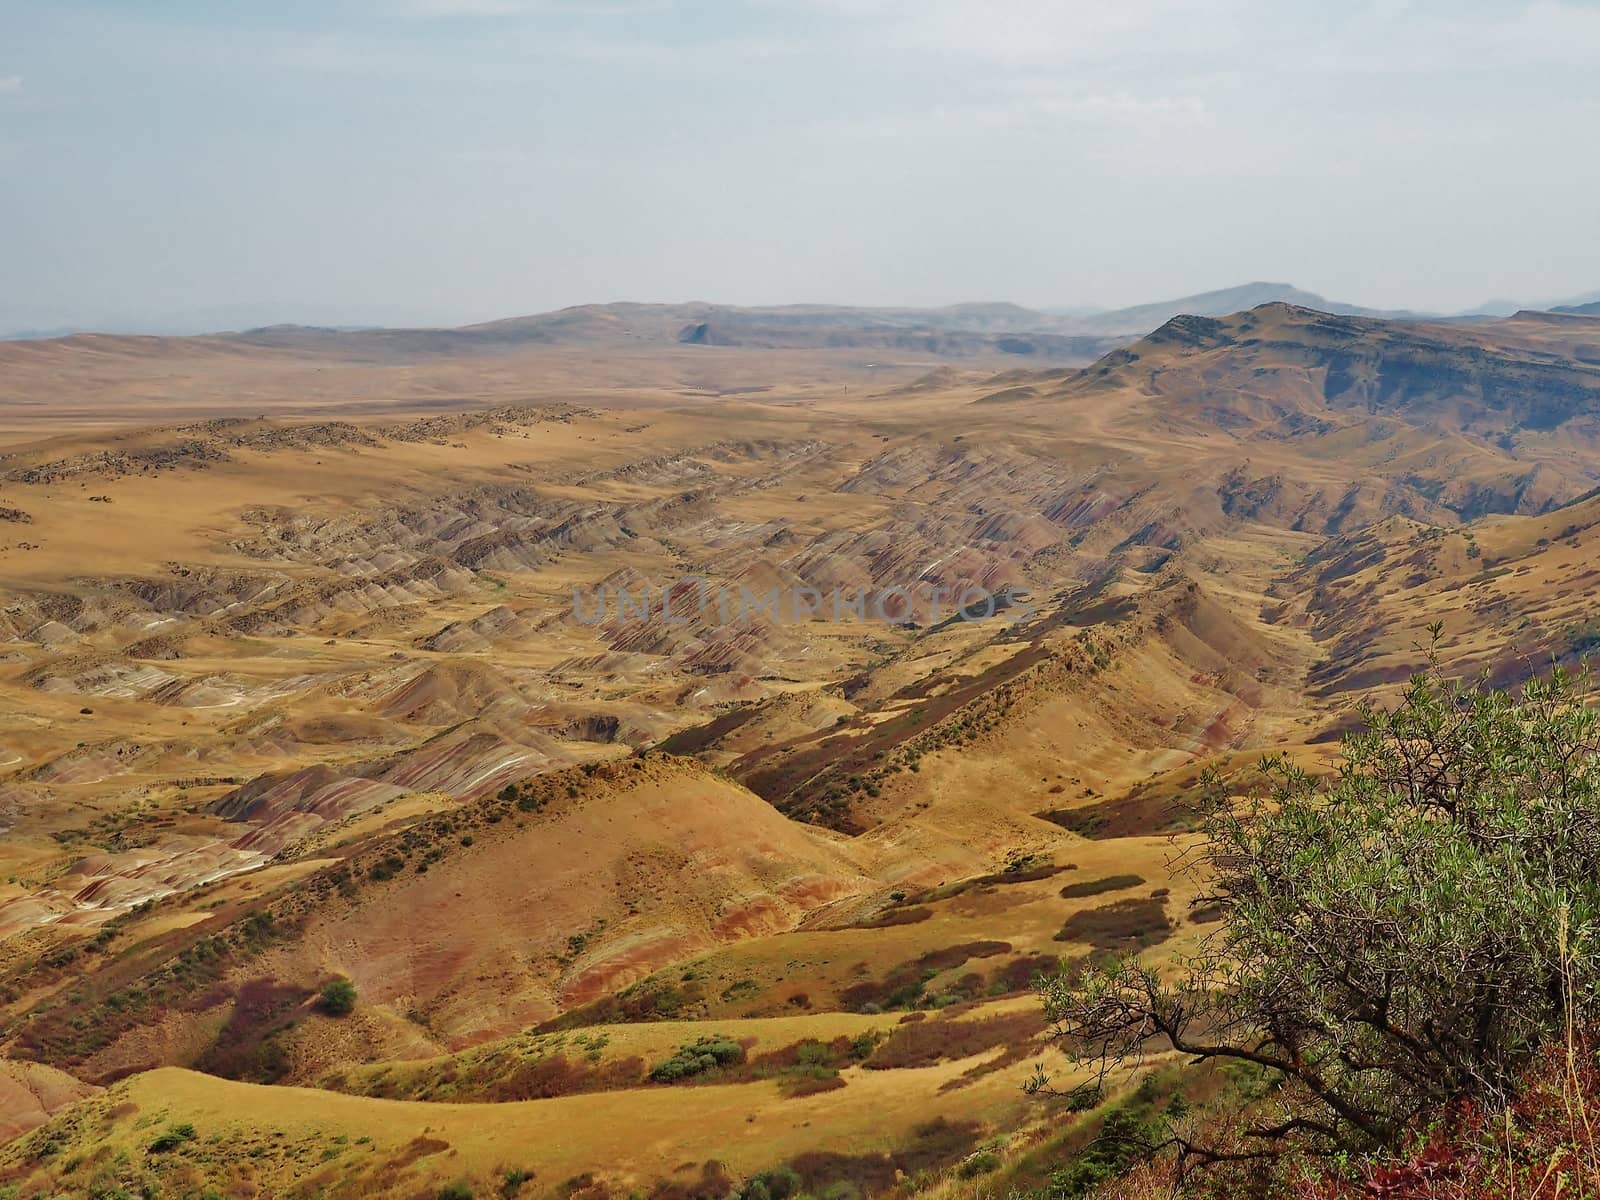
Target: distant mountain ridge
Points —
{"points": [[761, 324], [634, 318], [1146, 318], [951, 331], [630, 319], [955, 331]]}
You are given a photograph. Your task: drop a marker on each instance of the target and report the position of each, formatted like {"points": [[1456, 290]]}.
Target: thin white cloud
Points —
{"points": [[1543, 33], [509, 8], [1017, 33], [1361, 36], [631, 52], [494, 156], [1050, 100], [350, 54], [10, 83], [506, 55], [465, 8], [1036, 109], [1044, 33]]}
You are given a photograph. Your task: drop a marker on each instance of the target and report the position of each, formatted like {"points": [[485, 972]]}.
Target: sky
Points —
{"points": [[443, 161]]}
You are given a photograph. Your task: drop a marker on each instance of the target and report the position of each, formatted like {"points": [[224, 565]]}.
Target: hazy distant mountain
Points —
{"points": [[586, 319], [26, 334], [1592, 309], [1075, 310], [1506, 308], [1580, 301], [1493, 308], [952, 331], [19, 324], [939, 330], [1144, 318], [955, 331], [935, 330]]}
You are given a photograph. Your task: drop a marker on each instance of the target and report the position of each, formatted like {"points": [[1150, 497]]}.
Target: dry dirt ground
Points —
{"points": [[301, 679]]}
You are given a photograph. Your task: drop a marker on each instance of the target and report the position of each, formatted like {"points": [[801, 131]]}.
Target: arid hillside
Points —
{"points": [[688, 753]]}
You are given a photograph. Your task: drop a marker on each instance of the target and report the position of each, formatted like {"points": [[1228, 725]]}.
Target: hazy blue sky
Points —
{"points": [[466, 159]]}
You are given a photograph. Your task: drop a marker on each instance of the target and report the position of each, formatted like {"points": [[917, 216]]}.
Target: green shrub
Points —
{"points": [[780, 1183], [511, 1182], [813, 1054], [1394, 938], [707, 1054], [979, 1164], [175, 1136], [1094, 887], [1123, 1138], [863, 1044], [459, 1190], [338, 997]]}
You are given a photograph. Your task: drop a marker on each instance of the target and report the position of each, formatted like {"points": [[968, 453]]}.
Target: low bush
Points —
{"points": [[978, 1164], [906, 985], [387, 869], [172, 1138], [338, 998], [925, 1043], [706, 1054], [896, 916], [1544, 1146], [1094, 887], [1125, 925]]}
